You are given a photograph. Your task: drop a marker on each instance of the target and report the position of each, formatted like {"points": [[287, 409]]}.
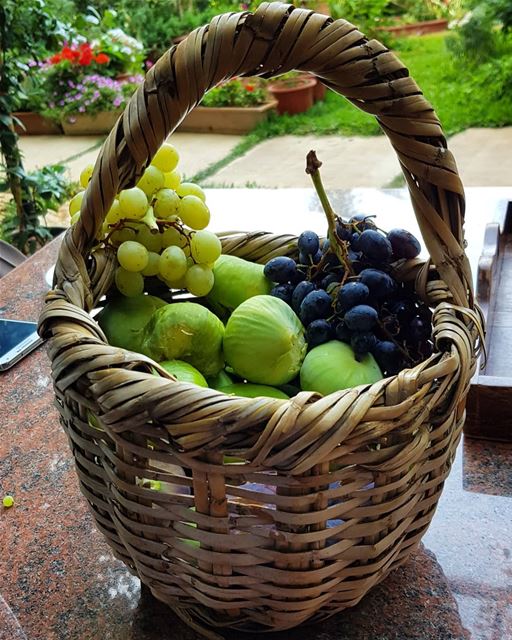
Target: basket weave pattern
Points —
{"points": [[335, 491]]}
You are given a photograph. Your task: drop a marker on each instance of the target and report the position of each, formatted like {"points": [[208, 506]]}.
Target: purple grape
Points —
{"points": [[330, 279], [280, 269], [418, 330], [308, 243], [388, 357], [361, 318], [362, 221], [404, 244], [374, 246], [350, 295], [318, 332], [300, 292], [343, 230], [342, 333], [404, 310], [315, 306], [362, 343], [354, 242], [380, 284], [283, 292]]}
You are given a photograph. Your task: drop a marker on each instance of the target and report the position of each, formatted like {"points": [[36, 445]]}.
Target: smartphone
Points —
{"points": [[17, 339]]}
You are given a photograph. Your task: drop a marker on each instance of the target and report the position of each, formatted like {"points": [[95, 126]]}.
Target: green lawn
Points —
{"points": [[460, 103]]}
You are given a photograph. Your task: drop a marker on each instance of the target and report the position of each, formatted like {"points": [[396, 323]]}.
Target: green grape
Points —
{"points": [[130, 284], [122, 235], [205, 247], [173, 263], [176, 284], [173, 237], [76, 202], [152, 241], [199, 280], [85, 175], [172, 179], [133, 203], [167, 203], [151, 180], [191, 189], [132, 256], [75, 217], [166, 158], [153, 266], [194, 213], [114, 214]]}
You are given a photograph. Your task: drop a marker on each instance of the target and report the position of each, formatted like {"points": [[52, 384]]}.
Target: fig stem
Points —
{"points": [[338, 246]]}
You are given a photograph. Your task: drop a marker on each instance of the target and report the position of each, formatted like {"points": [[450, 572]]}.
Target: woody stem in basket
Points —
{"points": [[338, 246]]}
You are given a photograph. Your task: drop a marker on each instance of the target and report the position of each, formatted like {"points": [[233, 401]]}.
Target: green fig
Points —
{"points": [[185, 331], [332, 366], [264, 341], [122, 319], [236, 280], [184, 372], [221, 380], [249, 390]]}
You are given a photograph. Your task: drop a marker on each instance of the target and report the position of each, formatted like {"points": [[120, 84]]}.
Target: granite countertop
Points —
{"points": [[59, 580]]}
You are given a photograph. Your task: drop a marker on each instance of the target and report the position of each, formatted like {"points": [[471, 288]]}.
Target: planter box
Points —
{"points": [[225, 119], [34, 124], [84, 124], [416, 28]]}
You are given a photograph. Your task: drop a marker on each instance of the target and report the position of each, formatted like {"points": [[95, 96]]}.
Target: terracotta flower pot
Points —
{"points": [[319, 91], [293, 96], [34, 124]]}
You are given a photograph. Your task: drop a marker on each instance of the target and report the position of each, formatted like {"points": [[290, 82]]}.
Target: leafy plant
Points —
{"points": [[235, 93], [90, 94], [49, 188], [18, 18], [366, 15]]}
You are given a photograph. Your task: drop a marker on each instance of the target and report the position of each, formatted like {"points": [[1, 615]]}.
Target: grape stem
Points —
{"points": [[391, 338], [339, 247]]}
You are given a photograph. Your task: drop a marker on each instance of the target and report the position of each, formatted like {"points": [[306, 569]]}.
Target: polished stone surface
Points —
{"points": [[59, 580]]}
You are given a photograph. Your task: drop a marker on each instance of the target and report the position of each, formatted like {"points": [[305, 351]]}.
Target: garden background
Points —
{"points": [[70, 61]]}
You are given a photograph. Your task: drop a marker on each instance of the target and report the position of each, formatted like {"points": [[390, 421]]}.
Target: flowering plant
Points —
{"points": [[126, 54], [91, 94], [82, 55], [235, 93]]}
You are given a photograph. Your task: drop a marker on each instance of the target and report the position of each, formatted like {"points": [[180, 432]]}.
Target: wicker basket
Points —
{"points": [[356, 475]]}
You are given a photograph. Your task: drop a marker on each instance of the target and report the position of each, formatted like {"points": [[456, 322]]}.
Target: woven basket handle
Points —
{"points": [[275, 39]]}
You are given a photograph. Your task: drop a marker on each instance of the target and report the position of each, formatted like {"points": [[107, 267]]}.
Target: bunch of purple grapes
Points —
{"points": [[356, 299]]}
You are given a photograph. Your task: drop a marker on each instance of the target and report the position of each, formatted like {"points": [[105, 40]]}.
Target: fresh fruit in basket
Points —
{"points": [[236, 280], [264, 341], [332, 366], [184, 372], [158, 228], [185, 331], [336, 299]]}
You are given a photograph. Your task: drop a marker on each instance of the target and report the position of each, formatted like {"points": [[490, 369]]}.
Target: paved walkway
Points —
{"points": [[484, 158], [197, 151]]}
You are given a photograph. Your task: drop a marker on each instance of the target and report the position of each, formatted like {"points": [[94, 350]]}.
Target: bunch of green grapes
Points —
{"points": [[159, 229]]}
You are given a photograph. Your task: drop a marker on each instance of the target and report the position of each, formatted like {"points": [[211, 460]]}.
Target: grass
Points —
{"points": [[461, 98]]}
